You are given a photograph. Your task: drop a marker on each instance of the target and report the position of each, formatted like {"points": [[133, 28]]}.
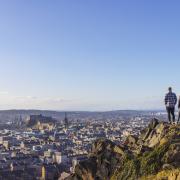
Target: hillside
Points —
{"points": [[155, 154]]}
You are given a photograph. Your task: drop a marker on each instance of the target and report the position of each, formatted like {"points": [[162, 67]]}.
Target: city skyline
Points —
{"points": [[93, 55]]}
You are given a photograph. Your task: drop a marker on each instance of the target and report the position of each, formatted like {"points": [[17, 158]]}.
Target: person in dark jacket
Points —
{"points": [[170, 103], [179, 110]]}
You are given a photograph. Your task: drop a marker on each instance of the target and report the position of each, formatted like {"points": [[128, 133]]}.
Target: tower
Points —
{"points": [[66, 123], [43, 173]]}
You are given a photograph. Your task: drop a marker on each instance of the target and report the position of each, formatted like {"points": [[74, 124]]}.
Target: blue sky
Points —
{"points": [[88, 55]]}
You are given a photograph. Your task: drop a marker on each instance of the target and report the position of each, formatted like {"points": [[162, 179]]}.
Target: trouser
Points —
{"points": [[178, 116], [170, 111]]}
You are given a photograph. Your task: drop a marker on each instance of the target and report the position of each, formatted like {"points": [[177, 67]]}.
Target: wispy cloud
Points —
{"points": [[3, 92], [9, 101], [31, 97]]}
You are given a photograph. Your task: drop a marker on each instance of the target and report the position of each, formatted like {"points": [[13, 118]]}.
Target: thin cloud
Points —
{"points": [[4, 92], [31, 97]]}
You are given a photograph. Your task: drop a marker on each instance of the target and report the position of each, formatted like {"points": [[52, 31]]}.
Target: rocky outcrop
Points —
{"points": [[105, 158], [164, 175], [154, 152]]}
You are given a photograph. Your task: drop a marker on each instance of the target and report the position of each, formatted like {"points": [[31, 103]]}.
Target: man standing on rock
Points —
{"points": [[179, 111], [170, 102]]}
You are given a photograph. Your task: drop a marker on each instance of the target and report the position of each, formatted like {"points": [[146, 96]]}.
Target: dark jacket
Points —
{"points": [[179, 103]]}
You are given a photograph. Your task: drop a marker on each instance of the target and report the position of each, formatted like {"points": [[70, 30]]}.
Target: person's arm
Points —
{"points": [[179, 103], [175, 98]]}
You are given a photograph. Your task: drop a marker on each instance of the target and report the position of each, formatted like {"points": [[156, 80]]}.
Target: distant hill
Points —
{"points": [[10, 115]]}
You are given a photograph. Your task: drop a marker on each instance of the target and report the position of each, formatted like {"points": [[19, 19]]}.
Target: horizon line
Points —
{"points": [[53, 110]]}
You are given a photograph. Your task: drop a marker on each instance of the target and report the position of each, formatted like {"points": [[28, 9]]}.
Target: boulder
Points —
{"points": [[155, 154]]}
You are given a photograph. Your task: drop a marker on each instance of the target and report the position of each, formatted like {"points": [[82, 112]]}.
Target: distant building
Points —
{"points": [[74, 163], [63, 176], [66, 122], [41, 122], [58, 157]]}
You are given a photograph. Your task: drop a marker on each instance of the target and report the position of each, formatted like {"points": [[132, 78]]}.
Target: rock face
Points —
{"points": [[155, 154], [105, 158]]}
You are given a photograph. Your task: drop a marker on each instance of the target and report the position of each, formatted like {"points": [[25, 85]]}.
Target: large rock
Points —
{"points": [[156, 150], [105, 158]]}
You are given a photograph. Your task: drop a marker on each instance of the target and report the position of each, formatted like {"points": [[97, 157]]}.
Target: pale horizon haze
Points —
{"points": [[88, 55]]}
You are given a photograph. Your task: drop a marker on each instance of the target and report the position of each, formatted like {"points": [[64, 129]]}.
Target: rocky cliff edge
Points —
{"points": [[155, 154]]}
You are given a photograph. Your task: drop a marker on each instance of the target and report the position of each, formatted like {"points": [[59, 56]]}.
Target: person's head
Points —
{"points": [[170, 89]]}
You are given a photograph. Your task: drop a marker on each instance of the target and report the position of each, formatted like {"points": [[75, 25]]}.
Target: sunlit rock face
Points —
{"points": [[155, 154]]}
